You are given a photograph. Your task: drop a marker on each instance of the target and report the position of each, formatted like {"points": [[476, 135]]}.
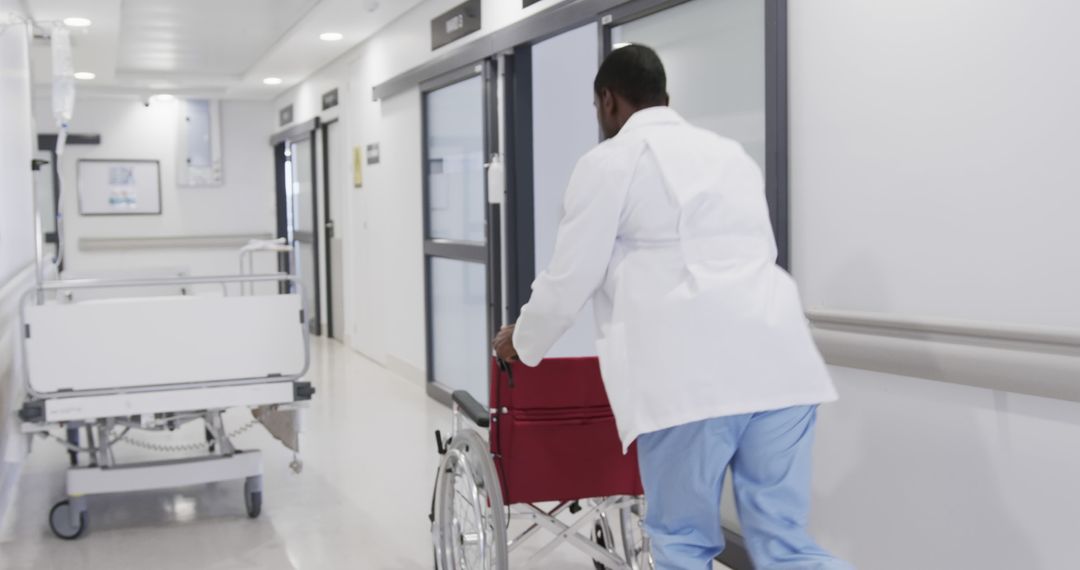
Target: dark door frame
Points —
{"points": [[281, 142], [329, 225]]}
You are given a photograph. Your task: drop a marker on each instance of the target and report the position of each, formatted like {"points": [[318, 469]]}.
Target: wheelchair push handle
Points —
{"points": [[506, 368]]}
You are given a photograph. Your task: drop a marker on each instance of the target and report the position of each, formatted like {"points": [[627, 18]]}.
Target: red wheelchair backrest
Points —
{"points": [[553, 435]]}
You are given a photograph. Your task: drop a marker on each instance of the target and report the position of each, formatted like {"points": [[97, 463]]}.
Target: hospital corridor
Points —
{"points": [[354, 506], [539, 284]]}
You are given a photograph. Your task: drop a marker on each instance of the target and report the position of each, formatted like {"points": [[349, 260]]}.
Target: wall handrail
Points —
{"points": [[169, 242], [883, 323], [1024, 359]]}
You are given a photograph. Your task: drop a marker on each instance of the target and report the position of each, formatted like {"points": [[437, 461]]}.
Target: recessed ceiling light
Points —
{"points": [[162, 98], [77, 22], [272, 81], [330, 36], [84, 75], [620, 45]]}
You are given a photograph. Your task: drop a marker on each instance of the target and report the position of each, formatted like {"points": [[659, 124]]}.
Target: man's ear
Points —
{"points": [[607, 101]]}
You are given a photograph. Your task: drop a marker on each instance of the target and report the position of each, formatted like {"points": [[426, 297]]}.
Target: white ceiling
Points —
{"points": [[208, 37], [215, 48]]}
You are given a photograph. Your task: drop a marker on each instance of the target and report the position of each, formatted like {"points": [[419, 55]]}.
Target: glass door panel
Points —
{"points": [[714, 55]]}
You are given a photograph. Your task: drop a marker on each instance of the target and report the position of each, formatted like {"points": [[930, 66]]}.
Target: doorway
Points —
{"points": [[295, 159]]}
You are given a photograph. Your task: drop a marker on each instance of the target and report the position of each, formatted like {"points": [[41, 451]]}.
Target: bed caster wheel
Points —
{"points": [[253, 502], [253, 496], [66, 524]]}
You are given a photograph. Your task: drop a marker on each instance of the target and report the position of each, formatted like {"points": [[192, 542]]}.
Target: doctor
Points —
{"points": [[706, 355]]}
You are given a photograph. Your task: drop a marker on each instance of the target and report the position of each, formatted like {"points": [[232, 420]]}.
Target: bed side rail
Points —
{"points": [[50, 337]]}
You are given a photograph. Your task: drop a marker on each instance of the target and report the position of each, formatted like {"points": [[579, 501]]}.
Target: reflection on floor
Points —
{"points": [[361, 502]]}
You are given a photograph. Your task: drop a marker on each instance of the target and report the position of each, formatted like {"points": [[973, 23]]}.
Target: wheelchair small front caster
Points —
{"points": [[253, 496], [65, 523]]}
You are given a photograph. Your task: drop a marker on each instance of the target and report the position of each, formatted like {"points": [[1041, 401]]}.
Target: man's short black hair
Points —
{"points": [[635, 73]]}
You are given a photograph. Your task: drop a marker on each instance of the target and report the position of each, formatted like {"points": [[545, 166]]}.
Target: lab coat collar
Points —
{"points": [[652, 116]]}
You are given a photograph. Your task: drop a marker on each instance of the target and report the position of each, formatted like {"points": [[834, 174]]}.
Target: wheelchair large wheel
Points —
{"points": [[469, 527], [635, 541], [603, 537]]}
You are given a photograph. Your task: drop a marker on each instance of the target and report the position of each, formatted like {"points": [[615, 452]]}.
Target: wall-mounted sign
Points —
{"points": [[373, 153], [455, 23], [329, 99], [285, 115], [358, 171], [111, 187]]}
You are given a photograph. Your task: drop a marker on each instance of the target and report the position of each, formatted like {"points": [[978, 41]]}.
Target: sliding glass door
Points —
{"points": [[460, 232], [564, 128]]}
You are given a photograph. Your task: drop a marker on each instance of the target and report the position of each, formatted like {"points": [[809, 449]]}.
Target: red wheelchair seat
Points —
{"points": [[553, 436]]}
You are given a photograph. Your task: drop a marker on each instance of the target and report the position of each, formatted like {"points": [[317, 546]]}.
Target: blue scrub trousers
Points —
{"points": [[683, 471]]}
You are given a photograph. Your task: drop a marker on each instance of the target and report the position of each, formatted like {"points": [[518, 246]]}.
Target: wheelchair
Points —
{"points": [[550, 439]]}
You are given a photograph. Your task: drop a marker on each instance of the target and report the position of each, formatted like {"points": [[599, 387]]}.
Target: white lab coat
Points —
{"points": [[666, 228]]}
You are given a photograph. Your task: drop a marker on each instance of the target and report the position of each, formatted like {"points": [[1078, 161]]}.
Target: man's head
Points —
{"points": [[630, 79]]}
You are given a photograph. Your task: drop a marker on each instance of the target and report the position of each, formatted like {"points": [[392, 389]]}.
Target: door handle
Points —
{"points": [[330, 229]]}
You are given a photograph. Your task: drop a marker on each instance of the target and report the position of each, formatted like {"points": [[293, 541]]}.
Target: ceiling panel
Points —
{"points": [[202, 37]]}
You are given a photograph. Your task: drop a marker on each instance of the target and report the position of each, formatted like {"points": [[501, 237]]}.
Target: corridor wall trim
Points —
{"points": [[1034, 360]]}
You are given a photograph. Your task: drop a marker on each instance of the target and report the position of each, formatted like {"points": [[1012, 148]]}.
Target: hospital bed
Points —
{"points": [[107, 366], [547, 448]]}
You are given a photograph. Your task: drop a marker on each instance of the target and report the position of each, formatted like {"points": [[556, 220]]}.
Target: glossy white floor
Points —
{"points": [[361, 502]]}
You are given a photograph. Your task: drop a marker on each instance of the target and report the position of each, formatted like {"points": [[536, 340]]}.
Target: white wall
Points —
{"points": [[243, 205], [17, 138], [955, 126], [933, 164], [16, 230]]}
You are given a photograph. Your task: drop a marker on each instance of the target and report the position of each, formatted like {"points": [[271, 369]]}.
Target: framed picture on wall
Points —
{"points": [[119, 187]]}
